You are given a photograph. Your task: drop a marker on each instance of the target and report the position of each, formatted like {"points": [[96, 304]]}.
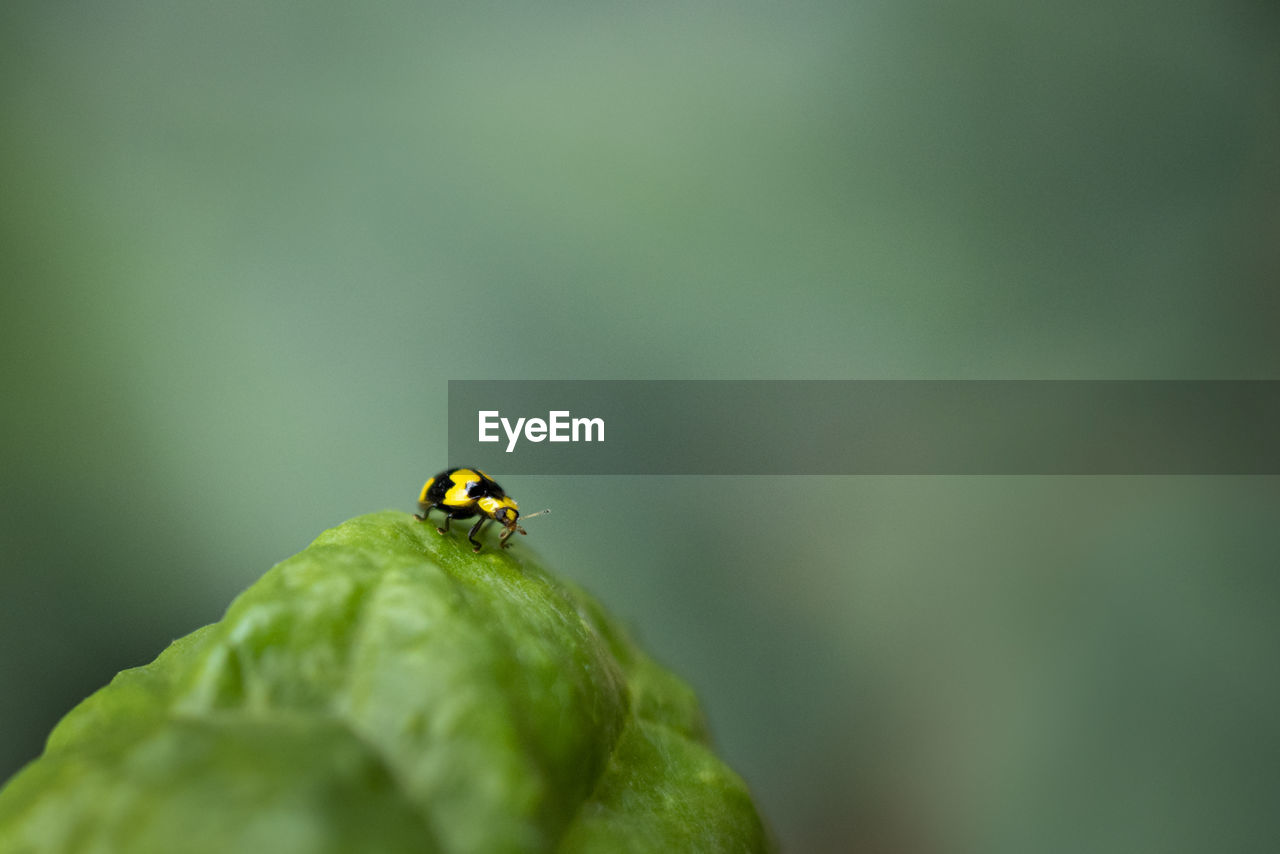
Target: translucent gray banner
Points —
{"points": [[762, 427]]}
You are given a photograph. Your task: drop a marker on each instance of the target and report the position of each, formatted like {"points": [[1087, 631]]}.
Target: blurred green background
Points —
{"points": [[244, 245]]}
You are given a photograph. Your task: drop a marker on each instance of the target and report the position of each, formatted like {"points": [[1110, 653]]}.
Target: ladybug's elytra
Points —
{"points": [[461, 493]]}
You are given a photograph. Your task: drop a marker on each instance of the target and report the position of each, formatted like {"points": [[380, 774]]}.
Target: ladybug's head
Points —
{"points": [[507, 515]]}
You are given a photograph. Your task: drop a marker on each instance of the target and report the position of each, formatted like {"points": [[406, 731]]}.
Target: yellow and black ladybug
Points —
{"points": [[465, 492]]}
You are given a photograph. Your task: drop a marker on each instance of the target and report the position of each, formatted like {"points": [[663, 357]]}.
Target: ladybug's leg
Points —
{"points": [[475, 530], [426, 511]]}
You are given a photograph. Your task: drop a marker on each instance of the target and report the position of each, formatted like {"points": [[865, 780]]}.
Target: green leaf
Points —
{"points": [[387, 690]]}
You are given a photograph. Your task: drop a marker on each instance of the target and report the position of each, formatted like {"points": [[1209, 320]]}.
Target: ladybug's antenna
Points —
{"points": [[530, 516]]}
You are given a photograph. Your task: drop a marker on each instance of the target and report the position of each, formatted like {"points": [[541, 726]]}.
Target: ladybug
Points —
{"points": [[461, 493]]}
